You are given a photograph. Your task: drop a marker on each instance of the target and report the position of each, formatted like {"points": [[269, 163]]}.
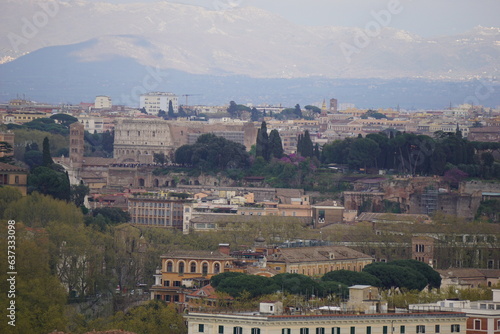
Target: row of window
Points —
{"points": [[419, 248], [151, 221], [174, 283], [153, 212], [154, 204], [204, 226], [319, 270], [4, 179], [169, 298], [455, 328], [193, 267], [283, 213], [489, 306]]}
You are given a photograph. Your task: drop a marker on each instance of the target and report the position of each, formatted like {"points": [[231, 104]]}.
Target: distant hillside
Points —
{"points": [[56, 75], [243, 54], [242, 41]]}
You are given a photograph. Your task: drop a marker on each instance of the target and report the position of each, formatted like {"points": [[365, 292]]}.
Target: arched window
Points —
{"points": [[216, 268], [181, 268], [193, 267], [169, 266], [205, 268]]}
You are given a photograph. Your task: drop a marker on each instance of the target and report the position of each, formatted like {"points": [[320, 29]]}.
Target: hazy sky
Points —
{"points": [[423, 17]]}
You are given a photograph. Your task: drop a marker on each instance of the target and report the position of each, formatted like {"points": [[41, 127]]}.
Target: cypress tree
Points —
{"points": [[275, 144], [300, 145], [262, 145], [317, 153], [258, 145], [46, 157], [307, 145], [170, 109]]}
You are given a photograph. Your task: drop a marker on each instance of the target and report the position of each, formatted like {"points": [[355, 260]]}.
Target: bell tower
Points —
{"points": [[76, 142]]}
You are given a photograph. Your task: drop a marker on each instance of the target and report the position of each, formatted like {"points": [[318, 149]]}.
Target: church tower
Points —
{"points": [[324, 111], [76, 142], [333, 106]]}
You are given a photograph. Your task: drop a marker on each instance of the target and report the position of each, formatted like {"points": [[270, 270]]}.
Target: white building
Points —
{"points": [[102, 102], [270, 320], [156, 101], [92, 124], [483, 315]]}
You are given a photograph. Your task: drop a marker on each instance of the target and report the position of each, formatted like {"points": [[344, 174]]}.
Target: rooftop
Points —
{"points": [[11, 168], [197, 254], [320, 253]]}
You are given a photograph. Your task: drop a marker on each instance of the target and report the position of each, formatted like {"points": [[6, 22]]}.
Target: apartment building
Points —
{"points": [[483, 316], [103, 102], [182, 270], [156, 101], [268, 321], [159, 209]]}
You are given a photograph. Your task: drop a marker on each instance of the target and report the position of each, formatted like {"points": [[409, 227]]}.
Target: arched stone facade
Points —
{"points": [[141, 139]]}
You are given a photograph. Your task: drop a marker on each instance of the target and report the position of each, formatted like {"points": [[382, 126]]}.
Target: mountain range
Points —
{"points": [[62, 51]]}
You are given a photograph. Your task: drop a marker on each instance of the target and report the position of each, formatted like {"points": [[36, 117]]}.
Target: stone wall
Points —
{"points": [[370, 202], [469, 187], [408, 193], [135, 139]]}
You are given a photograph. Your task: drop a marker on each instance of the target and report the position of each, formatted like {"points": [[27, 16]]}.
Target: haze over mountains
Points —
{"points": [[114, 47]]}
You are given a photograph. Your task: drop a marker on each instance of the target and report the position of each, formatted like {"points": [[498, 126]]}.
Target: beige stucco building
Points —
{"points": [[272, 323], [14, 176], [103, 102], [181, 269], [317, 261]]}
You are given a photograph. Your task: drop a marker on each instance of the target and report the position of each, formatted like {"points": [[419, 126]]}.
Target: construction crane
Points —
{"points": [[187, 95]]}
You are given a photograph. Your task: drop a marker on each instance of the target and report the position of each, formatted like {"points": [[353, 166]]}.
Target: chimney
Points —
{"points": [[224, 248]]}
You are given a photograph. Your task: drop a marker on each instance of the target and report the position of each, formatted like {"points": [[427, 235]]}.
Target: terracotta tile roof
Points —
{"points": [[285, 195], [396, 217], [490, 273], [460, 273], [11, 168], [208, 292], [113, 198], [197, 254], [261, 271], [315, 254]]}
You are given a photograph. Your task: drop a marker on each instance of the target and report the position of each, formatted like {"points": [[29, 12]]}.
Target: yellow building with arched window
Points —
{"points": [[186, 269]]}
